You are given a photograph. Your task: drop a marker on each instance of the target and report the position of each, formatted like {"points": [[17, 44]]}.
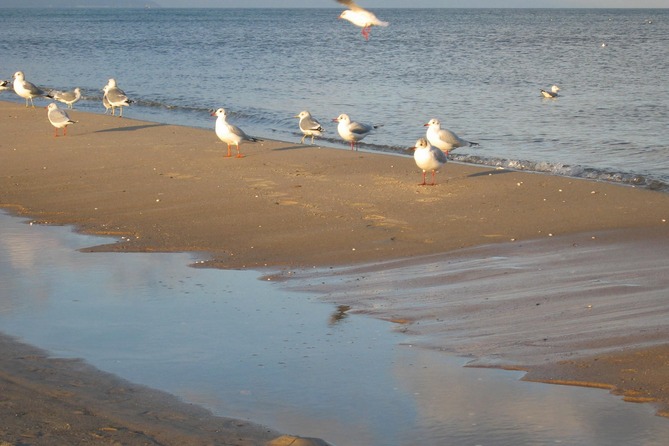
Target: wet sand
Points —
{"points": [[291, 207]]}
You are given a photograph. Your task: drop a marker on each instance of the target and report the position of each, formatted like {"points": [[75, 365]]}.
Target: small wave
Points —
{"points": [[568, 170]]}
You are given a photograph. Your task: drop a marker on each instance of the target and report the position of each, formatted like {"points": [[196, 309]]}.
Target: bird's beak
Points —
{"points": [[213, 113], [426, 125], [335, 120], [296, 116]]}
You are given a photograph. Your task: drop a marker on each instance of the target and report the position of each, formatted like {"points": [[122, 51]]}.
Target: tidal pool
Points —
{"points": [[245, 347]]}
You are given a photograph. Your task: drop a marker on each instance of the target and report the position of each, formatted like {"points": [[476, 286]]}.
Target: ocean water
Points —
{"points": [[478, 70]]}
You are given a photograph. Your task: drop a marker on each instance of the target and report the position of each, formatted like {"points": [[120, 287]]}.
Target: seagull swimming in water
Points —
{"points": [[27, 90], [353, 131], [309, 126], [428, 157], [58, 118], [360, 17], [444, 139], [551, 94], [5, 85], [230, 134]]}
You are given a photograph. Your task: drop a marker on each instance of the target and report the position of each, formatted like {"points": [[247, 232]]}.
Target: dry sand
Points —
{"points": [[158, 187]]}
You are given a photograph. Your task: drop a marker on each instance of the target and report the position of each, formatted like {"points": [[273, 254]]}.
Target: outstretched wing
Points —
{"points": [[351, 4]]}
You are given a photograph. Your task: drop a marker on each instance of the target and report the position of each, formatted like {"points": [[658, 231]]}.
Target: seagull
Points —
{"points": [[58, 118], [428, 157], [230, 134], [352, 131], [551, 94], [106, 103], [116, 97], [444, 139], [5, 85], [360, 17], [66, 97], [25, 89], [309, 126]]}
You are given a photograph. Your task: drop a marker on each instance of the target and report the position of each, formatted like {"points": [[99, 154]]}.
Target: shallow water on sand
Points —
{"points": [[247, 348]]}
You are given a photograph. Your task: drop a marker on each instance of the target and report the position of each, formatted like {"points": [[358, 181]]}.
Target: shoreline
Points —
{"points": [[285, 206]]}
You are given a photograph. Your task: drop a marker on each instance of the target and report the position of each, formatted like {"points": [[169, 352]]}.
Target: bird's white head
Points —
{"points": [[342, 118], [219, 112], [303, 114], [433, 123], [18, 75], [345, 14], [421, 143], [51, 106], [555, 88]]}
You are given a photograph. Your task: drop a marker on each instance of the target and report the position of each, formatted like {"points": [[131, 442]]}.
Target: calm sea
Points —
{"points": [[478, 70]]}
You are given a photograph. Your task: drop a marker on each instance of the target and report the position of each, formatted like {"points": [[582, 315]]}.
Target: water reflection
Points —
{"points": [[247, 348]]}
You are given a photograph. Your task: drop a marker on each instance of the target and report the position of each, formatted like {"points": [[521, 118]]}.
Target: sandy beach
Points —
{"points": [[289, 207]]}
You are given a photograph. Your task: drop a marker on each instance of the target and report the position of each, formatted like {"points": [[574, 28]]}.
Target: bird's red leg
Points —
{"points": [[229, 153], [433, 183], [239, 154], [365, 32], [423, 183]]}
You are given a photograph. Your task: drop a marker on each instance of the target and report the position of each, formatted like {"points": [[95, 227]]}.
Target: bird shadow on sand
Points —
{"points": [[131, 128], [296, 147], [489, 172]]}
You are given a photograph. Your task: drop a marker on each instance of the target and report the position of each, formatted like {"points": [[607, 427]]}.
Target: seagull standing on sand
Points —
{"points": [[58, 118], [230, 134], [116, 97], [551, 94], [352, 131], [25, 89], [427, 158], [360, 17], [309, 126], [106, 104], [444, 139], [67, 97]]}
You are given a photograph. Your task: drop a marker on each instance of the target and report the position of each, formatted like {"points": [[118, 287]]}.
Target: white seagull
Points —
{"points": [[66, 97], [309, 126], [428, 157], [106, 104], [360, 17], [25, 89], [230, 134], [444, 139], [58, 118], [352, 131], [116, 97], [551, 94]]}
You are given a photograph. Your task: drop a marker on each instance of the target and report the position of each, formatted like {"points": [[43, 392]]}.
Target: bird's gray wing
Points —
{"points": [[58, 116], [116, 96], [33, 89], [310, 124], [441, 156], [359, 129]]}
